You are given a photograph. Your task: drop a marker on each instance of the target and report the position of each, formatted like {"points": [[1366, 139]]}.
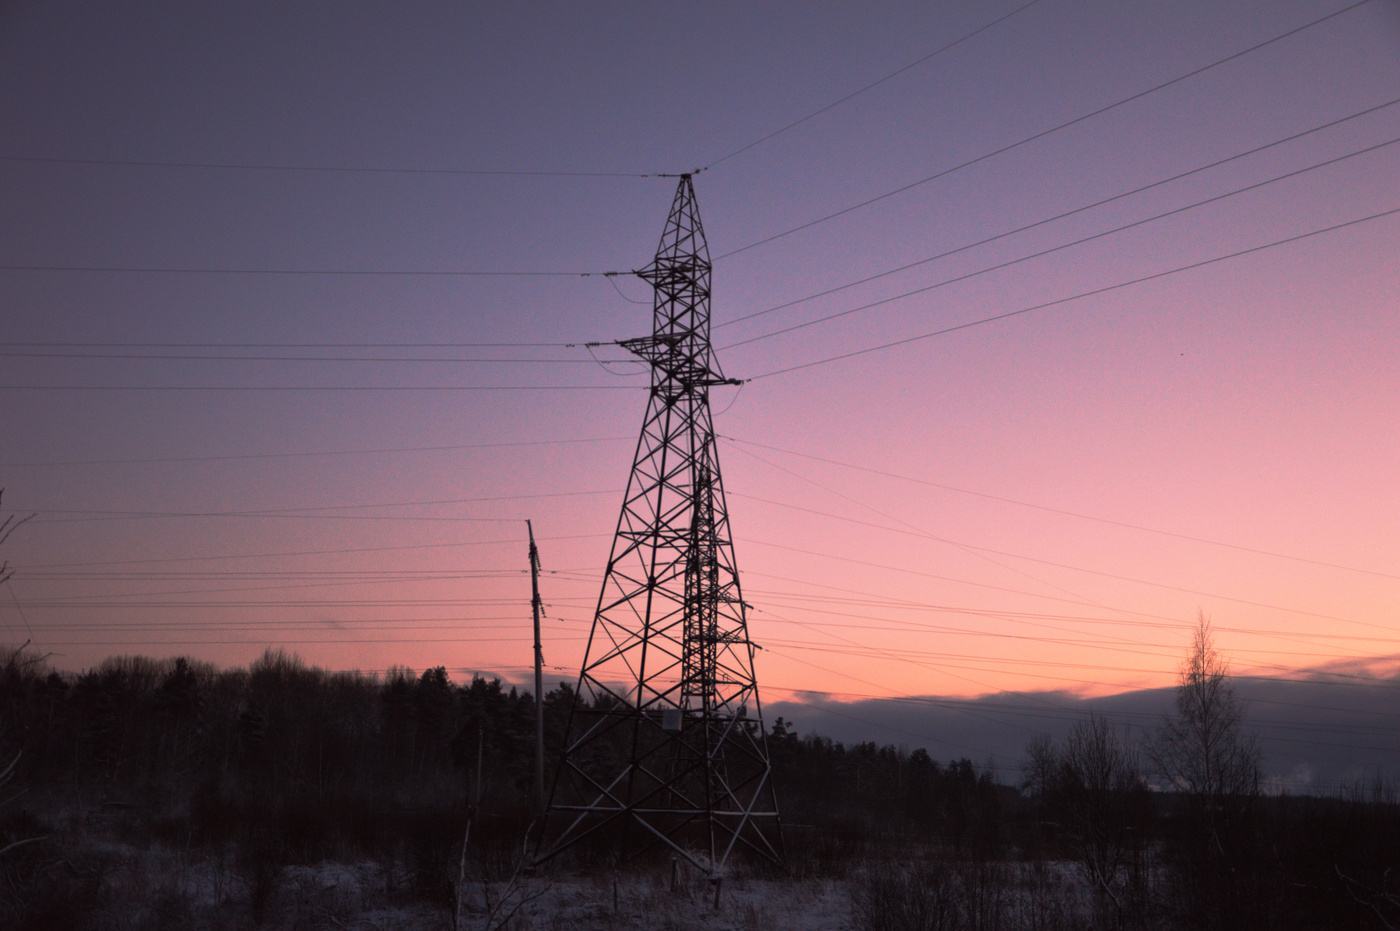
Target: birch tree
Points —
{"points": [[1203, 750]]}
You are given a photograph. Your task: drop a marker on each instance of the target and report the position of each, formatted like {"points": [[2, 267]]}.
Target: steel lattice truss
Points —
{"points": [[666, 745]]}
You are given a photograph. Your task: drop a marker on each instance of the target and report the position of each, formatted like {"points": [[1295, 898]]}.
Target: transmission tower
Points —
{"points": [[665, 748]]}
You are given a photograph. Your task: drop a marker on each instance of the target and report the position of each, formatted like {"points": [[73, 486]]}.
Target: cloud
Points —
{"points": [[1316, 733]]}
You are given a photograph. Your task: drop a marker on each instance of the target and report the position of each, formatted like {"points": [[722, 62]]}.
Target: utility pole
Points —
{"points": [[665, 746], [537, 795]]}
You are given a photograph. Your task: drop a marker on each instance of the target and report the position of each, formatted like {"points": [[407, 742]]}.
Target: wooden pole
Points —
{"points": [[535, 603]]}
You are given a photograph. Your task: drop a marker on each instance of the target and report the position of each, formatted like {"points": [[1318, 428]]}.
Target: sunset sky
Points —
{"points": [[258, 394]]}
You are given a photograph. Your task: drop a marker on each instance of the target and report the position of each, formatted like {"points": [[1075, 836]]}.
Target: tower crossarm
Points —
{"points": [[667, 355]]}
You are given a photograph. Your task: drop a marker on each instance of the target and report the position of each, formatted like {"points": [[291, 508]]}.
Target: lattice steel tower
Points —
{"points": [[666, 747]]}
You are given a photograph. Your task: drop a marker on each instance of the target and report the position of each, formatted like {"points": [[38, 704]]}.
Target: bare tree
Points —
{"points": [[1104, 805], [15, 662], [1203, 751], [1384, 903], [7, 772], [1042, 760], [8, 526]]}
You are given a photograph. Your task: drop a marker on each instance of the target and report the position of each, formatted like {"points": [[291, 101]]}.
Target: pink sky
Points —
{"points": [[1041, 502]]}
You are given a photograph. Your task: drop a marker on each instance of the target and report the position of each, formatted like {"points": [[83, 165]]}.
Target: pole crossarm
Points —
{"points": [[666, 744]]}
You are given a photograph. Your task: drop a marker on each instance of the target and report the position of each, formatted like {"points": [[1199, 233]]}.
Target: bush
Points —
{"points": [[938, 895]]}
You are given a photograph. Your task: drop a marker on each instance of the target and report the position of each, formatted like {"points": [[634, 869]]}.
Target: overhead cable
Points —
{"points": [[1059, 216], [151, 356], [304, 272], [856, 93], [279, 555], [276, 388], [304, 511], [1060, 565], [977, 552], [1068, 245], [299, 455], [1062, 511], [1046, 132], [1083, 294], [433, 345], [943, 578], [334, 169]]}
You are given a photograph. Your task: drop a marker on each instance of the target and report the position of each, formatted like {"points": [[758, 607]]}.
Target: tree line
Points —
{"points": [[281, 763]]}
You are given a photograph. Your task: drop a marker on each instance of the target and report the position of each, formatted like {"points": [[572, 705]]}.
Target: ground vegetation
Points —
{"points": [[151, 794]]}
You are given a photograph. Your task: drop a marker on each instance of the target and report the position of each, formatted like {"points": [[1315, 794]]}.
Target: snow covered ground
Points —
{"points": [[105, 883], [745, 905], [87, 875]]}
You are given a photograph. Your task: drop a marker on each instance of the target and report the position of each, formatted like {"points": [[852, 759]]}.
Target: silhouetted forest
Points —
{"points": [[280, 765]]}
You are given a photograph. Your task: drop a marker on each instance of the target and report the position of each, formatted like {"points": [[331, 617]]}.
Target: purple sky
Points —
{"points": [[1051, 491]]}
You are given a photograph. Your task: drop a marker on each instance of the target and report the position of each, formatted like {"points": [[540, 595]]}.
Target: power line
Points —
{"points": [[345, 576], [902, 625], [1012, 616], [824, 627], [292, 604], [278, 640], [1083, 294], [971, 550], [1077, 242], [433, 345], [1066, 513], [301, 511], [1027, 618], [408, 624], [306, 272], [358, 549], [943, 578], [976, 551], [1022, 617], [332, 169], [23, 617], [355, 388], [1152, 621], [1078, 639], [121, 599], [1046, 132], [88, 513], [297, 455], [341, 507], [150, 356], [351, 576], [81, 600], [368, 517], [1139, 648], [1059, 216], [893, 74], [1059, 565]]}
